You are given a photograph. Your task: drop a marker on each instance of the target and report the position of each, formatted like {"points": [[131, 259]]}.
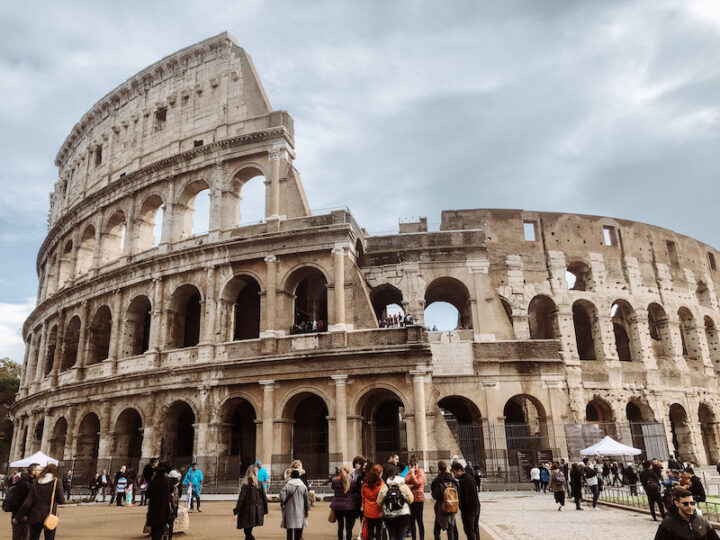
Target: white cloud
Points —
{"points": [[12, 317]]}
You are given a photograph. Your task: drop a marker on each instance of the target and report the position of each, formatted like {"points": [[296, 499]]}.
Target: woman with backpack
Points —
{"points": [[343, 503], [295, 505], [371, 509], [415, 479], [544, 477], [395, 498], [557, 485]]}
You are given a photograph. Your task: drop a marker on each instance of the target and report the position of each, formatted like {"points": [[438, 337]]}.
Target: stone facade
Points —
{"points": [[167, 343]]}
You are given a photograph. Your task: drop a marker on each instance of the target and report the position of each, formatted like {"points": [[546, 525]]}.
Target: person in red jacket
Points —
{"points": [[415, 479], [371, 510]]}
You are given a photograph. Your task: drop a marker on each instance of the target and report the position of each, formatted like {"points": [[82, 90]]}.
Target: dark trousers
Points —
{"points": [[595, 490], [452, 533], [194, 495], [37, 528], [294, 534], [633, 490], [119, 497], [248, 533], [20, 530], [157, 533], [67, 494], [374, 528], [577, 498], [653, 499], [544, 486], [345, 519], [471, 524], [416, 514], [537, 485], [559, 497]]}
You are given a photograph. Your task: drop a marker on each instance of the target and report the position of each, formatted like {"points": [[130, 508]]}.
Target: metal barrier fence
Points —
{"points": [[622, 497]]}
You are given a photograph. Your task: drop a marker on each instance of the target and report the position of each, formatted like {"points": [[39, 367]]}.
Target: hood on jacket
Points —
{"points": [[295, 482], [46, 478], [395, 480]]}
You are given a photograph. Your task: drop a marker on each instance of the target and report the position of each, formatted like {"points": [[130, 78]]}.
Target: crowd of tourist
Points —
{"points": [[396, 320], [308, 327]]}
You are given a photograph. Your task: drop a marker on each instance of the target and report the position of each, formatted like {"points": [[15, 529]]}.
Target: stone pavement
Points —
{"points": [[527, 516]]}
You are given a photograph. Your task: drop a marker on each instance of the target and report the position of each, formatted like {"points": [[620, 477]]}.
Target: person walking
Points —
{"points": [[590, 475], [651, 485], [295, 505], [193, 481], [415, 480], [394, 498], [43, 499], [615, 470], [630, 478], [444, 484], [565, 468], [252, 503], [262, 474], [682, 521], [93, 486], [535, 478], [343, 503], [67, 484], [544, 477], [371, 509], [576, 482], [469, 503], [160, 506], [557, 485], [696, 486], [103, 483], [15, 496]]}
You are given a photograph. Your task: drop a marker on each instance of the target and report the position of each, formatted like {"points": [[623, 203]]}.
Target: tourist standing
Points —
{"points": [[252, 503], [394, 499], [630, 478], [103, 483], [696, 486], [343, 503], [43, 499], [415, 480], [576, 482], [590, 474], [651, 485], [296, 465], [682, 521], [15, 496], [469, 503], [262, 474], [193, 480], [444, 490], [565, 468], [159, 494], [149, 470], [67, 484], [94, 486], [371, 510], [535, 478], [295, 505], [544, 477], [358, 474], [557, 485], [120, 485]]}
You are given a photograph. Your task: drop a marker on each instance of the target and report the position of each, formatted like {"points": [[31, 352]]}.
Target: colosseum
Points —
{"points": [[272, 340]]}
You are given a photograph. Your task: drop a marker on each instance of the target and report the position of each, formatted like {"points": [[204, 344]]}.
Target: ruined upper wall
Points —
{"points": [[196, 96]]}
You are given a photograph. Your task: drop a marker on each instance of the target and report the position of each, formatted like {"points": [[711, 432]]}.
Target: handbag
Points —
{"points": [[51, 521], [331, 516]]}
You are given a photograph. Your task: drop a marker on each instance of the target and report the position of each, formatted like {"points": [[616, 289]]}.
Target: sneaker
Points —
{"points": [[199, 510], [190, 511], [578, 509], [559, 508]]}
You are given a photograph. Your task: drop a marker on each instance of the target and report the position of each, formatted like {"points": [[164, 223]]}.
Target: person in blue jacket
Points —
{"points": [[194, 478], [262, 474]]}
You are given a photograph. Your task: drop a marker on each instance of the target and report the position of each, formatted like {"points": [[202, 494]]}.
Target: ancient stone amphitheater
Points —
{"points": [[150, 340]]}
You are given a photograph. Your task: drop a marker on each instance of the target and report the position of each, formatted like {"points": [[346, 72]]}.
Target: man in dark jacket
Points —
{"points": [[67, 484], [696, 486], [469, 503], [443, 521], [630, 478], [15, 497], [651, 484], [682, 521], [149, 470], [159, 508]]}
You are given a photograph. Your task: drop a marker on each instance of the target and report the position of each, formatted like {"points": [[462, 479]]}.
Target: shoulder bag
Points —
{"points": [[51, 521]]}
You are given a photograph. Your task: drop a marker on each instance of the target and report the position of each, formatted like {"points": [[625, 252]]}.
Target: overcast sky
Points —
{"points": [[401, 108]]}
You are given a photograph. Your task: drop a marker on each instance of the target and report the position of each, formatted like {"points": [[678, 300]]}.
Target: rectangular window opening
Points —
{"points": [[711, 260], [197, 142], [160, 118], [609, 235], [98, 156], [672, 253], [530, 229]]}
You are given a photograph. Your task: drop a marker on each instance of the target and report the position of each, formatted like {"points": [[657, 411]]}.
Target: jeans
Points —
{"points": [[120, 498], [195, 495], [577, 498], [374, 528], [345, 520], [537, 485], [452, 533], [397, 533], [471, 524], [143, 499], [294, 534], [653, 499], [20, 530], [633, 490], [595, 494], [248, 533], [37, 528], [416, 512], [559, 497]]}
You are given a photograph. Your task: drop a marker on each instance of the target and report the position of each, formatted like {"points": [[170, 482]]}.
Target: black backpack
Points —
{"points": [[12, 501], [393, 502]]}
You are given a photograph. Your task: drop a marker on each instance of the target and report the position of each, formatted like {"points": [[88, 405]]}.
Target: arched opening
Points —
{"points": [[178, 442], [50, 350], [85, 251], [447, 305], [636, 420], [88, 444], [387, 304], [127, 439], [383, 425], [309, 437], [100, 329], [243, 294], [508, 310], [687, 334], [184, 317], [681, 434], [6, 437], [587, 332], [711, 335], [37, 435], [359, 253], [23, 443], [659, 330], [525, 434], [621, 313], [464, 420], [709, 432], [250, 188], [599, 411], [237, 438], [65, 264], [542, 318], [113, 241], [310, 293], [149, 223], [72, 340], [193, 210], [137, 327], [577, 276], [58, 439]]}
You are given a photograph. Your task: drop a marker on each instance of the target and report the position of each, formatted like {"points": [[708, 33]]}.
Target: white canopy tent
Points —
{"points": [[610, 447], [39, 458]]}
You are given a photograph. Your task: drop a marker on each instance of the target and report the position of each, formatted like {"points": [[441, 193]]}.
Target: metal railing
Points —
{"points": [[622, 497]]}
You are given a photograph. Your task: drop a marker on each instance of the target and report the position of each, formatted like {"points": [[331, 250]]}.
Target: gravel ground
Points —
{"points": [[527, 516]]}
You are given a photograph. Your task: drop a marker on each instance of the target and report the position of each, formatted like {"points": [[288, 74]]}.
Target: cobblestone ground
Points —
{"points": [[528, 516]]}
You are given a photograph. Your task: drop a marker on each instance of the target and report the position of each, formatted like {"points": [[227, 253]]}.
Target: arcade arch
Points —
{"points": [[137, 327], [113, 239], [387, 301], [383, 425], [525, 423], [50, 350], [128, 437], [58, 439], [681, 434], [242, 294], [177, 442], [587, 330], [542, 318], [72, 340], [100, 329], [184, 317], [464, 420], [448, 290], [710, 433], [149, 223], [237, 437], [193, 210], [85, 251], [621, 313], [306, 416], [308, 287], [659, 330]]}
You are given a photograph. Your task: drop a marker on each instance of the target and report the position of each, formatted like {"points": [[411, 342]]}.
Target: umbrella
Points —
{"points": [[610, 447], [39, 458]]}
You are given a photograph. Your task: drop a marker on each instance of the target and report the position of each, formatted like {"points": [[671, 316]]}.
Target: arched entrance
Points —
{"points": [[383, 426], [709, 431], [308, 414], [586, 328], [58, 439], [447, 305], [241, 298], [464, 420], [72, 339], [681, 434], [387, 304], [310, 299], [88, 443], [100, 329], [184, 317], [525, 435], [127, 439], [37, 439], [237, 439], [178, 442], [137, 327], [542, 318]]}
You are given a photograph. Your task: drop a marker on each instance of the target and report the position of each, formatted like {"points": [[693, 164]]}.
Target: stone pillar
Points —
{"points": [[71, 418], [167, 234], [341, 420], [42, 353], [270, 318], [57, 358], [106, 436], [272, 210], [639, 322], [338, 253], [97, 247], [156, 324], [116, 329], [208, 318], [17, 435], [83, 338], [24, 374], [419, 374], [129, 242], [268, 416], [47, 431]]}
